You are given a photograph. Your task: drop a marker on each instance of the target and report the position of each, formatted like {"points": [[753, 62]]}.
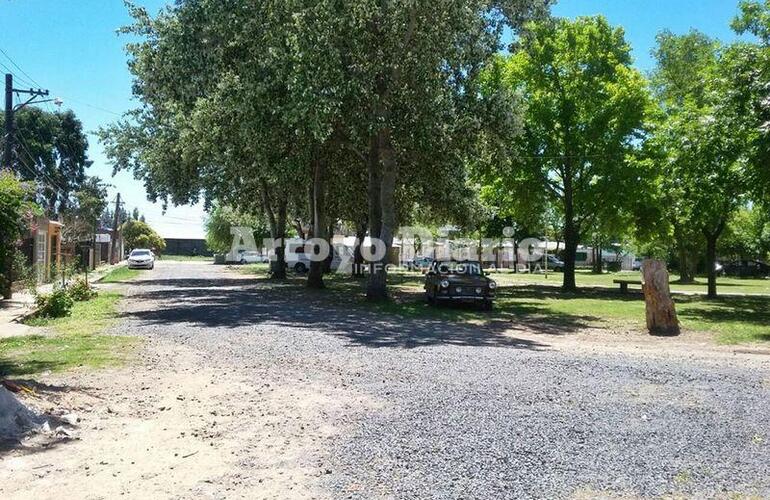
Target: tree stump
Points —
{"points": [[661, 312]]}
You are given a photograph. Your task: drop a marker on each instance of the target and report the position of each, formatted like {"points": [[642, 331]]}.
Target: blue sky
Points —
{"points": [[71, 48]]}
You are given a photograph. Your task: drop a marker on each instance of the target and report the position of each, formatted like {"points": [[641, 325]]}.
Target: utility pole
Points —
{"points": [[10, 111], [8, 150], [6, 247], [116, 222]]}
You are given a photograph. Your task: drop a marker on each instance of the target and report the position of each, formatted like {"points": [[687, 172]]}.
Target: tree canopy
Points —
{"points": [[51, 149], [584, 115], [138, 234]]}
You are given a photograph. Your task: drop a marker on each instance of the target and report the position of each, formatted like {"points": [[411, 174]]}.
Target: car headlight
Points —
{"points": [[445, 284], [492, 285]]}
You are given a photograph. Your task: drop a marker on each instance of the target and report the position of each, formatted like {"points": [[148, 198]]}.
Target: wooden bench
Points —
{"points": [[624, 284]]}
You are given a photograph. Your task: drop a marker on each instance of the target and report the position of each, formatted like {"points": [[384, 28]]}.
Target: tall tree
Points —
{"points": [[585, 108], [86, 212], [703, 139], [52, 150], [247, 102], [751, 87]]}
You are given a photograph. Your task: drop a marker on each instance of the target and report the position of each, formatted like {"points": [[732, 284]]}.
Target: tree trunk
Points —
{"points": [[330, 240], [570, 254], [515, 256], [711, 258], [571, 233], [685, 273], [277, 221], [661, 312], [358, 256], [378, 280], [315, 278]]}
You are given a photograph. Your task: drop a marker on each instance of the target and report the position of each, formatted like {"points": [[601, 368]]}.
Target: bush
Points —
{"points": [[80, 290], [56, 304]]}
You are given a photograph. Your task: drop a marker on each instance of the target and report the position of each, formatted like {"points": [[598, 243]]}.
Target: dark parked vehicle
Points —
{"points": [[555, 264], [747, 269], [420, 264], [459, 281]]}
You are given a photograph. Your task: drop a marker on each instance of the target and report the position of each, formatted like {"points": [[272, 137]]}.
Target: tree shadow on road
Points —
{"points": [[405, 322]]}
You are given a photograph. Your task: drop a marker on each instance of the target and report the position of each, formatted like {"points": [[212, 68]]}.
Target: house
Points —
{"points": [[43, 247]]}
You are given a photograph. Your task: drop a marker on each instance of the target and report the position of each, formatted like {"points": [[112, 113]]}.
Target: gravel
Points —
{"points": [[436, 410]]}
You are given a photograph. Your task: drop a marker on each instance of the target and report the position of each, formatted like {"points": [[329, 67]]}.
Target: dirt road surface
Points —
{"points": [[248, 390]]}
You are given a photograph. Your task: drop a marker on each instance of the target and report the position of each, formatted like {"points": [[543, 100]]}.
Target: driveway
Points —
{"points": [[309, 399]]}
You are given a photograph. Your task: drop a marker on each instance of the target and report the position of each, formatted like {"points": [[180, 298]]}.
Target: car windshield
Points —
{"points": [[140, 253], [466, 268]]}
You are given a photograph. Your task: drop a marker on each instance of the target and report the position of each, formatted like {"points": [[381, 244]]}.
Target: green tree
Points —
{"points": [[138, 234], [253, 104], [16, 208], [747, 235], [585, 108], [222, 218], [52, 150], [751, 88], [86, 211], [702, 141]]}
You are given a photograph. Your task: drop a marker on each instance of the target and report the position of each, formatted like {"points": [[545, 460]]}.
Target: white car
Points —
{"points": [[141, 258], [251, 257]]}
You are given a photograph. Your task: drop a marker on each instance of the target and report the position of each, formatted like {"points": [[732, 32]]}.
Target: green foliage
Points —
{"points": [[80, 290], [750, 83], [53, 151], [84, 215], [77, 341], [246, 105], [138, 234], [703, 140], [16, 210], [222, 218], [56, 304], [584, 117]]}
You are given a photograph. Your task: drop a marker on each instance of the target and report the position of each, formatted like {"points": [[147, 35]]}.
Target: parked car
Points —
{"points": [[141, 258], [420, 264], [459, 281], [555, 264], [747, 269], [252, 257], [299, 262]]}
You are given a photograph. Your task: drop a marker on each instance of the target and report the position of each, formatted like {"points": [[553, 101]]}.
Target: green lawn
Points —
{"points": [[186, 258], [75, 341], [120, 274], [587, 278], [526, 299]]}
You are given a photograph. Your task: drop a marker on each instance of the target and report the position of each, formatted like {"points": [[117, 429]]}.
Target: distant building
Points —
{"points": [[186, 246]]}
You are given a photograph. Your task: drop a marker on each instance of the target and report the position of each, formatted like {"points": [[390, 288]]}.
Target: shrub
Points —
{"points": [[56, 304], [80, 290]]}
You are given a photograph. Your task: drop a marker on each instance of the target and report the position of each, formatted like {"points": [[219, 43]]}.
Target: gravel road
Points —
{"points": [[362, 406]]}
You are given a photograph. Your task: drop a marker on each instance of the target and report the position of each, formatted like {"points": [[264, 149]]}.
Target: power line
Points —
{"points": [[17, 77], [19, 68], [93, 106], [53, 183]]}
